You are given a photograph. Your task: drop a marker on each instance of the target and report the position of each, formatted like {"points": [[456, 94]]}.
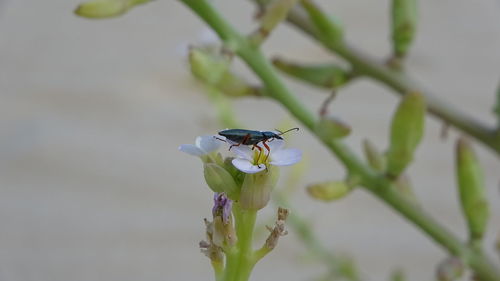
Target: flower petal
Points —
{"points": [[208, 143], [243, 151], [191, 149], [286, 157], [247, 167], [275, 144]]}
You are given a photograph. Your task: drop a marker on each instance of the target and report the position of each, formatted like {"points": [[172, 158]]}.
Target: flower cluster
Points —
{"points": [[250, 174], [248, 159]]}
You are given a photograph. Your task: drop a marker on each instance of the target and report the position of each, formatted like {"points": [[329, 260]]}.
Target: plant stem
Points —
{"points": [[399, 82], [245, 223], [377, 184]]}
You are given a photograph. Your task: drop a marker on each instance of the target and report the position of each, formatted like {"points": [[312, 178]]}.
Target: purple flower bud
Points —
{"points": [[222, 207]]}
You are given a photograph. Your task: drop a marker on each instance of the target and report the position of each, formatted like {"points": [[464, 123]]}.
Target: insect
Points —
{"points": [[253, 138]]}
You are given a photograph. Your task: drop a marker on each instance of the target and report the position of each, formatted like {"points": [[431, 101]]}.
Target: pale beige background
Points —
{"points": [[92, 186]]}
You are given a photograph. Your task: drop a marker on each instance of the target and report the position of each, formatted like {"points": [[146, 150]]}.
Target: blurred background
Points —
{"points": [[92, 186]]}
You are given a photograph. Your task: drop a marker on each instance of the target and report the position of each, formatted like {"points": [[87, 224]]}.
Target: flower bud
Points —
{"points": [[404, 187], [376, 160], [106, 8], [450, 269], [404, 25], [407, 129], [471, 188], [223, 233], [329, 128], [256, 188], [328, 191], [207, 66], [323, 75], [219, 180], [398, 275]]}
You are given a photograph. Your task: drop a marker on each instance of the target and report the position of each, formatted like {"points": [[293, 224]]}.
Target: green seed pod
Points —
{"points": [[207, 66], [106, 8], [328, 191], [450, 269], [404, 25], [376, 159], [274, 13], [320, 75], [496, 108], [232, 85], [407, 129], [330, 128], [256, 189], [471, 188], [398, 275], [219, 180], [329, 29]]}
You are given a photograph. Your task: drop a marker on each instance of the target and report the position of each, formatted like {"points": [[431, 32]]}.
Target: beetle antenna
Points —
{"points": [[281, 133]]}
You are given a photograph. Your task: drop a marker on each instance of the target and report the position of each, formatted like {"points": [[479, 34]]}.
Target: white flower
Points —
{"points": [[203, 146], [253, 161]]}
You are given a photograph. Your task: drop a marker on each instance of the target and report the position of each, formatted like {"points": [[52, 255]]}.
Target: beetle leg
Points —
{"points": [[245, 139], [268, 150]]}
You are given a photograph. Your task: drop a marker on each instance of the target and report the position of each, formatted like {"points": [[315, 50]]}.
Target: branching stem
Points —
{"points": [[370, 179]]}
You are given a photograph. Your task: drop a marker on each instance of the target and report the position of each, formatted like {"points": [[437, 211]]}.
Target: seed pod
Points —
{"points": [[404, 25], [328, 191], [398, 275], [274, 13], [329, 29], [256, 188], [331, 128], [106, 8], [376, 160], [208, 66], [496, 108], [219, 180], [407, 129], [320, 75], [232, 85], [471, 189]]}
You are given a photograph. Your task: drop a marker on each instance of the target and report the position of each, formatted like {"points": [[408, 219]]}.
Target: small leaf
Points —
{"points": [[106, 8]]}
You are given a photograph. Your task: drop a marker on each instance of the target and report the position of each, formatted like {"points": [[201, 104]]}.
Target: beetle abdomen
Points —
{"points": [[246, 137]]}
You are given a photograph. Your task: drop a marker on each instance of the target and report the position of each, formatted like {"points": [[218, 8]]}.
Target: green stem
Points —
{"points": [[218, 267], [338, 265], [245, 223], [370, 179], [399, 82]]}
